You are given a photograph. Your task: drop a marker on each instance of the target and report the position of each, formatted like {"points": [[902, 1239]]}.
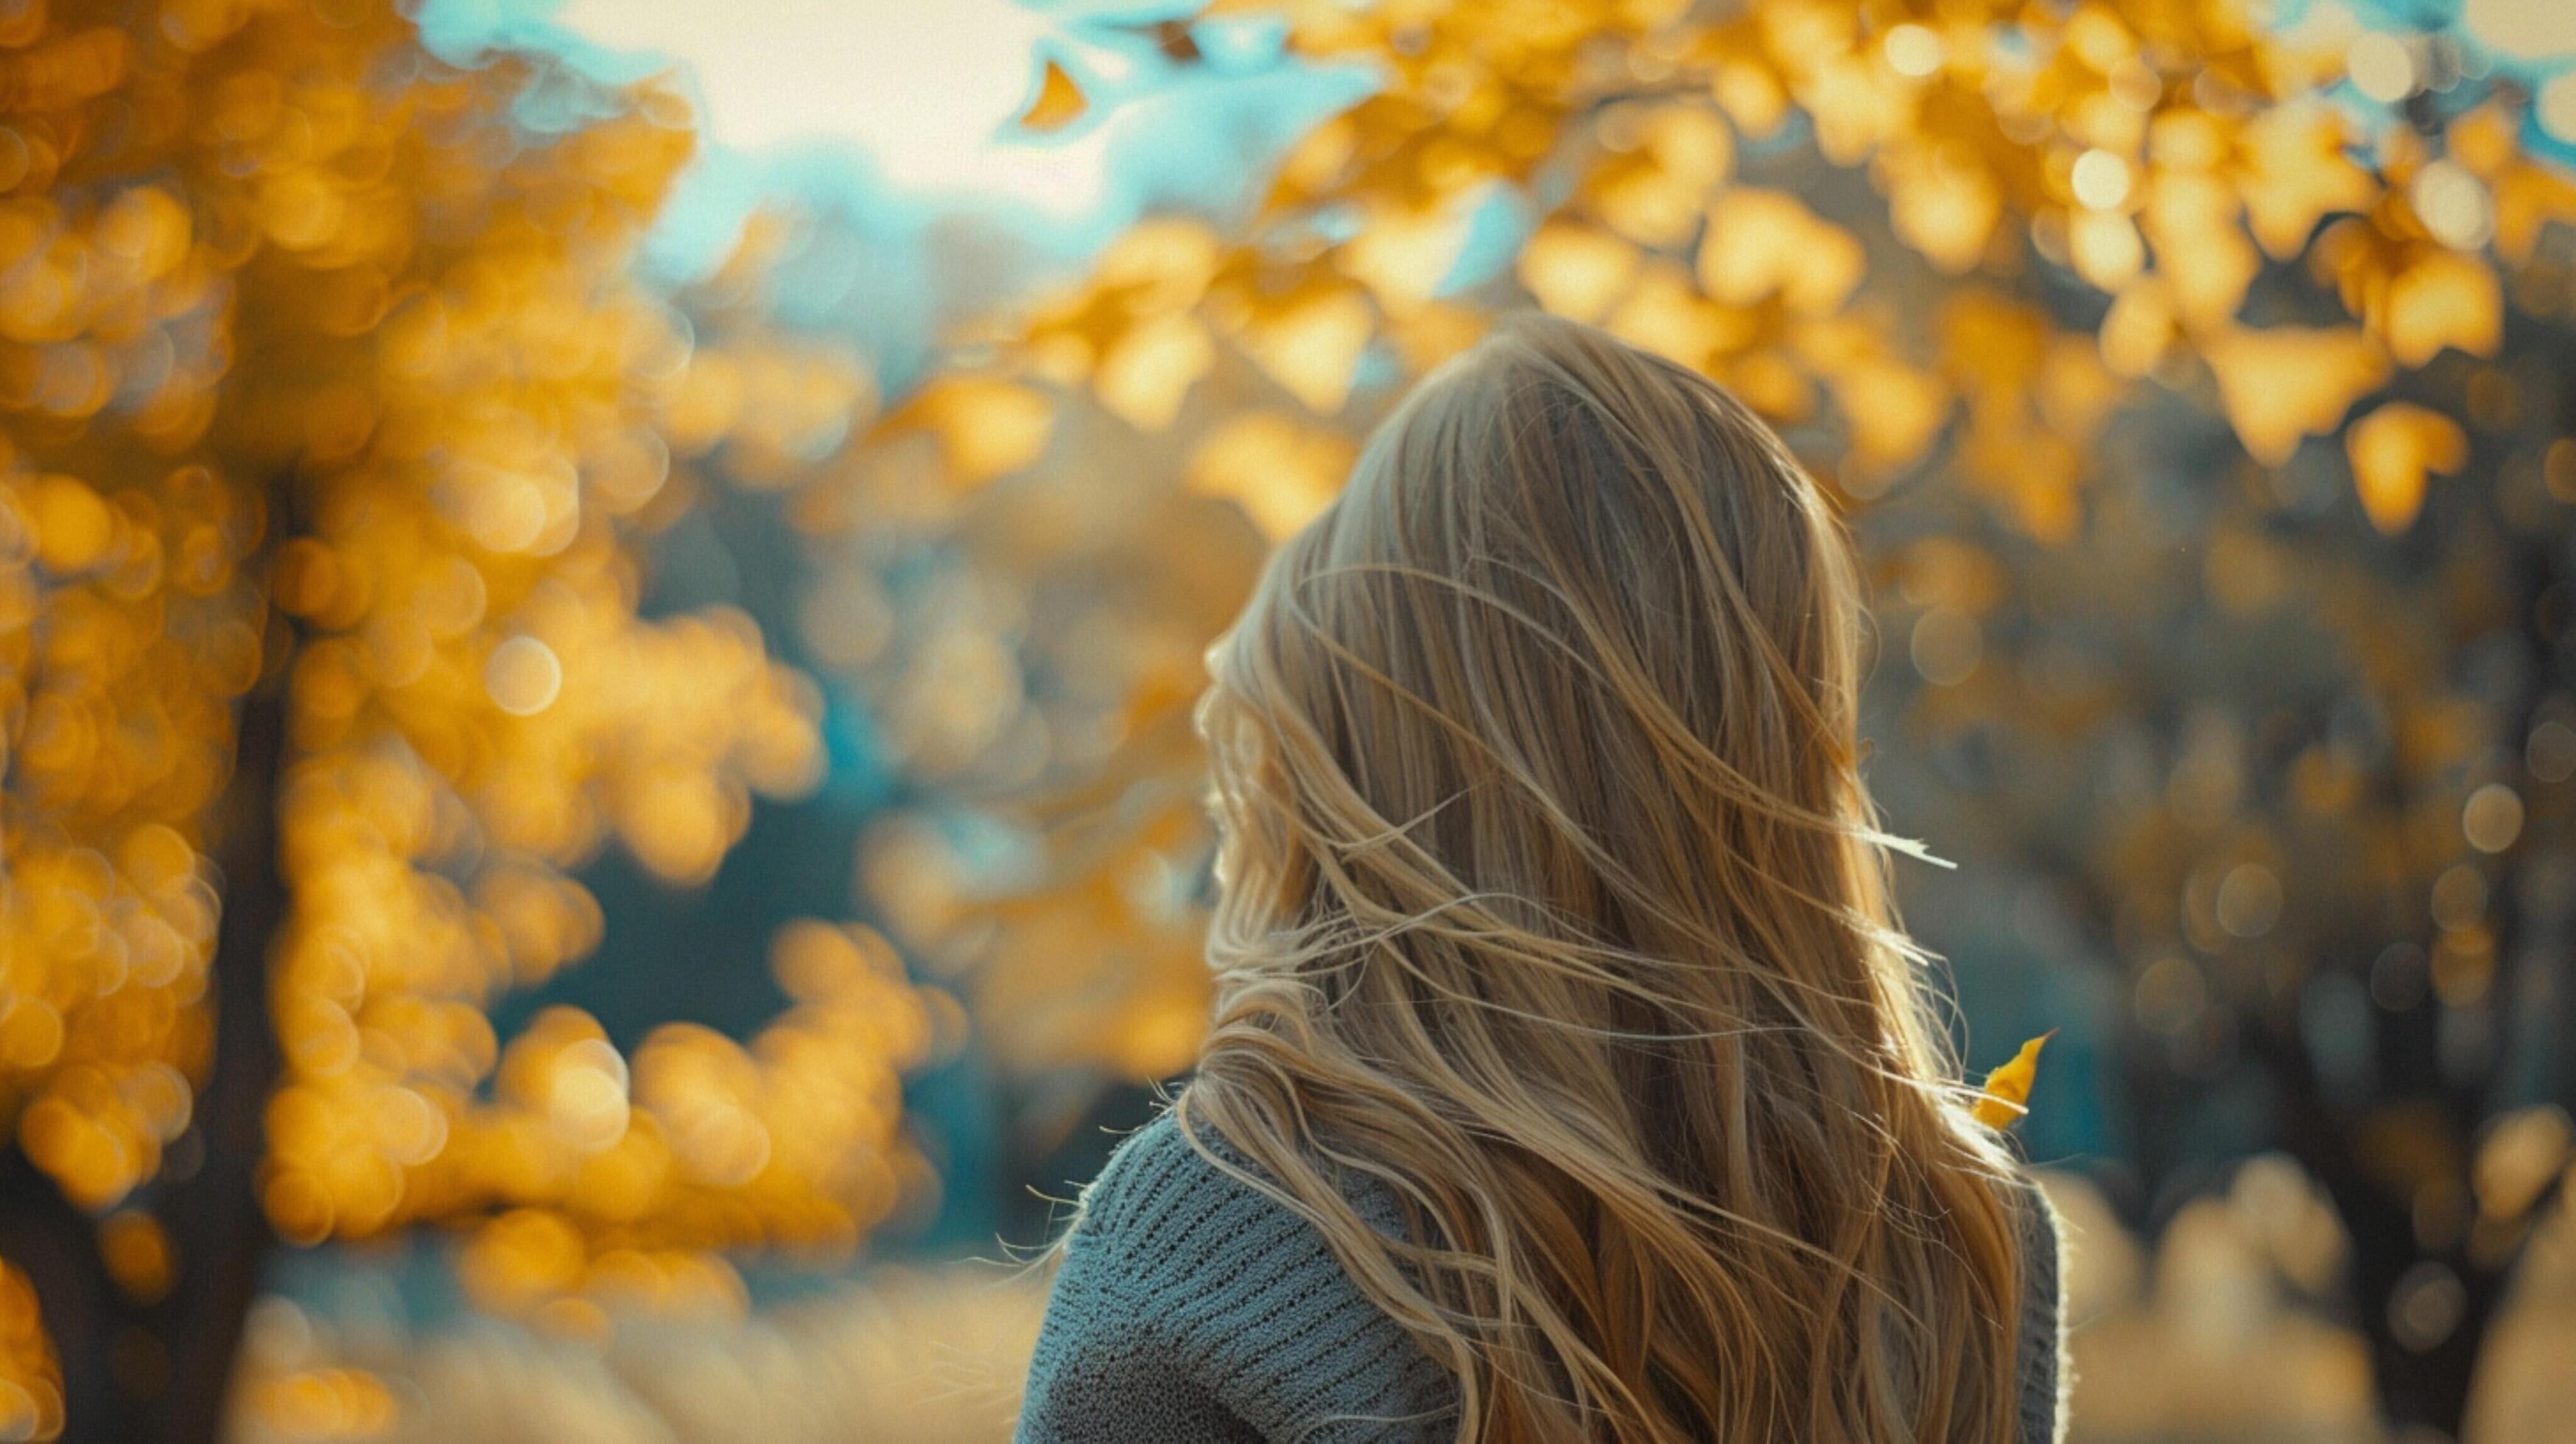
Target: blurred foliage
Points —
{"points": [[30, 1380], [2199, 387], [2170, 156], [329, 386]]}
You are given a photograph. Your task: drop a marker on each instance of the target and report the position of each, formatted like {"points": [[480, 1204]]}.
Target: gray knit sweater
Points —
{"points": [[1191, 1307]]}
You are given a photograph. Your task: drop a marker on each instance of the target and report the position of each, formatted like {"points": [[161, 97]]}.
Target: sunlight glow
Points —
{"points": [[913, 85]]}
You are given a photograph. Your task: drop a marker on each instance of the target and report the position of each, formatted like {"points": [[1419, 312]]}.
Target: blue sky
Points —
{"points": [[895, 114]]}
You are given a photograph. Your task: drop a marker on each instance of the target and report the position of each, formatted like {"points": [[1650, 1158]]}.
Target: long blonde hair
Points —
{"points": [[1553, 905]]}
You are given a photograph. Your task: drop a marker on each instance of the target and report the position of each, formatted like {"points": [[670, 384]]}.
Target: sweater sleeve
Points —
{"points": [[1105, 1370], [1191, 1306], [2041, 1349]]}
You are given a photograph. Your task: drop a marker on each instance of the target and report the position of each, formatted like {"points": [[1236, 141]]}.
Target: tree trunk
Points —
{"points": [[56, 1246], [218, 1227], [2421, 1389], [159, 1371]]}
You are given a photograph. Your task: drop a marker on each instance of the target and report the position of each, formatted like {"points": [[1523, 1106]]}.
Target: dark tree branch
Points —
{"points": [[218, 1228]]}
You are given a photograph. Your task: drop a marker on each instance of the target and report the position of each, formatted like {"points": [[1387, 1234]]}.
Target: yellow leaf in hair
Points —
{"points": [[2007, 1091]]}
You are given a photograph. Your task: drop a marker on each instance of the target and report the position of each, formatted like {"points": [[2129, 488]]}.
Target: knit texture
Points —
{"points": [[1189, 1306]]}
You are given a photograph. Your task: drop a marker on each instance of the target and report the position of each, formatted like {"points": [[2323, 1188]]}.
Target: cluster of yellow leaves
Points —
{"points": [[2161, 150], [1097, 960], [2165, 152], [2036, 397], [127, 630], [602, 1178], [292, 314]]}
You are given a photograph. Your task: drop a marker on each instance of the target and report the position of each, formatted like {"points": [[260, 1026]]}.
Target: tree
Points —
{"points": [[337, 417], [2141, 338]]}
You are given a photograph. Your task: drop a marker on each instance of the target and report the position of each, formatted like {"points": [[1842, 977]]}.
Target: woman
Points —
{"points": [[1570, 1078]]}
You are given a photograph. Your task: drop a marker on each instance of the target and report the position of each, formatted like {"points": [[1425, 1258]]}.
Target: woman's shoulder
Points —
{"points": [[2044, 1375], [1174, 1195], [1158, 1187], [2043, 1243], [1167, 1162], [2033, 1214], [1231, 1288], [1155, 1155]]}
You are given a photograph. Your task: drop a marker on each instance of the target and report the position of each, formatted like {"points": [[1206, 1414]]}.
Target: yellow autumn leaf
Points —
{"points": [[2042, 490], [986, 427], [1855, 105], [2139, 328], [2528, 196], [2528, 199], [2202, 253], [1403, 253], [2297, 172], [1653, 192], [73, 524], [2106, 249], [1314, 162], [1769, 382], [2281, 384], [1428, 334], [1577, 271], [1943, 205], [1058, 103], [2005, 1099], [1145, 375], [2485, 139], [1665, 313], [1893, 410], [1278, 470], [1762, 243], [1994, 339], [1161, 264], [1311, 344], [1751, 93], [2393, 450], [2443, 299]]}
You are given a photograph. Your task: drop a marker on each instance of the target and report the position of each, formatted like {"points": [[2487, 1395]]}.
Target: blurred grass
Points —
{"points": [[2208, 1337], [905, 1354]]}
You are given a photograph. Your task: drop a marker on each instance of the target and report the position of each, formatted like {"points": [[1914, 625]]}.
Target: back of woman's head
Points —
{"points": [[1553, 904]]}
